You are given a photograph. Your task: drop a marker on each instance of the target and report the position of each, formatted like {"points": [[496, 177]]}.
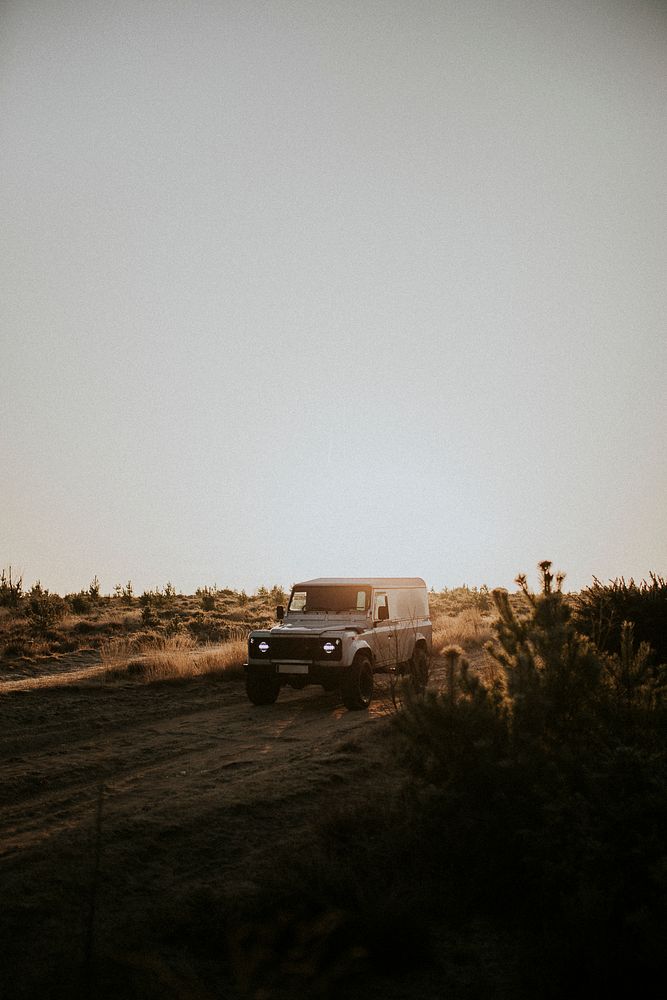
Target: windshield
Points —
{"points": [[331, 599]]}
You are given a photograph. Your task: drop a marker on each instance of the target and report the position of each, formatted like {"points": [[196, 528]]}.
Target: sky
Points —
{"points": [[299, 288]]}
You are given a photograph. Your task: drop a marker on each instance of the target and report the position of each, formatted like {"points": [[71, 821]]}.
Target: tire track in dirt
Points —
{"points": [[180, 761]]}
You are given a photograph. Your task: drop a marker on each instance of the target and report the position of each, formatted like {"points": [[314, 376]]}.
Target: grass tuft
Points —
{"points": [[468, 627], [150, 657]]}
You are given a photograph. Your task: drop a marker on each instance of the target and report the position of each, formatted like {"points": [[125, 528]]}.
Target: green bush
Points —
{"points": [[277, 595], [79, 603], [125, 593], [11, 590], [601, 609], [149, 615], [543, 797], [43, 609], [207, 598]]}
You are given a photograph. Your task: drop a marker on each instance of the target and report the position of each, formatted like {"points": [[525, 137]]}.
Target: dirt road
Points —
{"points": [[120, 804]]}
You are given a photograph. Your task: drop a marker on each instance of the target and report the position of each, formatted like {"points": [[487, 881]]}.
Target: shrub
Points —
{"points": [[207, 597], [43, 609], [601, 610], [16, 645], [79, 603], [149, 616], [554, 676], [277, 595], [638, 690], [10, 589], [543, 796], [125, 593]]}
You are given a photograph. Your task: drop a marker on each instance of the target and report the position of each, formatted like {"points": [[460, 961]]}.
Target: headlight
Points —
{"points": [[258, 647], [331, 649]]}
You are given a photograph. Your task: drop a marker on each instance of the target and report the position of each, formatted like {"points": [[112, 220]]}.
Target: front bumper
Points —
{"points": [[311, 671]]}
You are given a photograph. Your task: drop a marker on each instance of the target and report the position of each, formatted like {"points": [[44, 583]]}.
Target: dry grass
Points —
{"points": [[467, 628], [125, 617], [154, 658], [84, 675]]}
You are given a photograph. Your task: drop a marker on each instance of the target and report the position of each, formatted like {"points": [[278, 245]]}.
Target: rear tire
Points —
{"points": [[419, 670], [262, 689], [357, 686]]}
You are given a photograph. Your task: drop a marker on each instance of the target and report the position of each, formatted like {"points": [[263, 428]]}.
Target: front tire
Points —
{"points": [[357, 687], [262, 689]]}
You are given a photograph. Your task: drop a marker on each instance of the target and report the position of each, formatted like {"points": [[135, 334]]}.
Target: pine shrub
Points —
{"points": [[43, 609], [543, 795], [207, 598], [11, 590], [601, 610], [79, 603]]}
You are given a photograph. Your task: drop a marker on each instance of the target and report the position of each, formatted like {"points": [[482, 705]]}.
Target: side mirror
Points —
{"points": [[280, 612]]}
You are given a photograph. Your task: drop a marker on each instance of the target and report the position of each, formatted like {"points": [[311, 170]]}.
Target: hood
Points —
{"points": [[315, 624]]}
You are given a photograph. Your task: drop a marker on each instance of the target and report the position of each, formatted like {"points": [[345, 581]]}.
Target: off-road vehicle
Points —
{"points": [[340, 632]]}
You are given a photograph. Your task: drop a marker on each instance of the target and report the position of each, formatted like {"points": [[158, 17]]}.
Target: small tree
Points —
{"points": [[43, 609], [553, 675], [149, 615], [79, 603], [207, 597], [10, 590], [601, 610], [277, 594]]}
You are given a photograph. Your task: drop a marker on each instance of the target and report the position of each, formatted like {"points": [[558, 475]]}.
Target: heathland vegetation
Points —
{"points": [[156, 634]]}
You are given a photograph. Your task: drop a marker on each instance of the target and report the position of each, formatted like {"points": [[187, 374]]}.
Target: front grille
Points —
{"points": [[294, 647]]}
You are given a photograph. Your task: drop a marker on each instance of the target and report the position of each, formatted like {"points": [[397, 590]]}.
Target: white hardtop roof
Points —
{"points": [[385, 582]]}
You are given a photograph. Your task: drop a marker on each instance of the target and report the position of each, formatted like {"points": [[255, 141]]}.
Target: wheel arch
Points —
{"points": [[363, 649], [421, 642]]}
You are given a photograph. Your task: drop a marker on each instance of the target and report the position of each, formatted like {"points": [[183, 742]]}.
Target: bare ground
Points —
{"points": [[132, 817]]}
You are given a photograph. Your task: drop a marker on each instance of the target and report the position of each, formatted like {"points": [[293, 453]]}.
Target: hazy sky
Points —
{"points": [[307, 288]]}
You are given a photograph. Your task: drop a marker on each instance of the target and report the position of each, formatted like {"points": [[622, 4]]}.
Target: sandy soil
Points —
{"points": [[122, 803]]}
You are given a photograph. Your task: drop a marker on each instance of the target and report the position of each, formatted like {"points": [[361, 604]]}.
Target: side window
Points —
{"points": [[361, 600], [381, 610]]}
